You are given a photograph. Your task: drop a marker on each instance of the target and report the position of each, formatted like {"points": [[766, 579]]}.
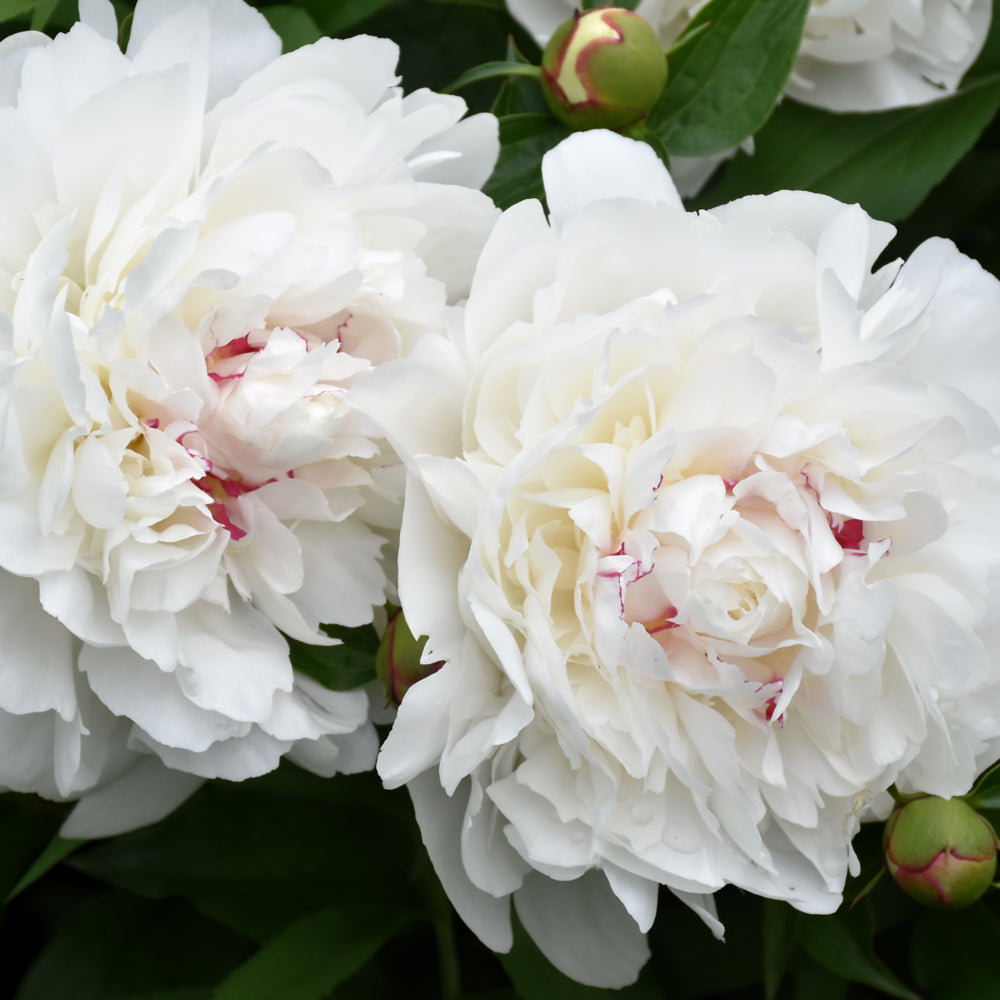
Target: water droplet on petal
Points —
{"points": [[578, 836], [641, 814], [683, 839]]}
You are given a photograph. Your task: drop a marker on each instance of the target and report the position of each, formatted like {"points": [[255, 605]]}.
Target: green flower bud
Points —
{"points": [[397, 662], [940, 851], [603, 69]]}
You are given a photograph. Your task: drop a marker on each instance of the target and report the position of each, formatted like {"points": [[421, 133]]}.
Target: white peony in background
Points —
{"points": [[700, 518], [206, 244]]}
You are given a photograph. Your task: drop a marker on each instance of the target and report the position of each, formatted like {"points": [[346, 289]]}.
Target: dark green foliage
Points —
{"points": [[724, 83], [339, 668]]}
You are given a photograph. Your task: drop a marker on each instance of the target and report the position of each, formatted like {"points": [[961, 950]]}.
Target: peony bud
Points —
{"points": [[940, 851], [397, 662], [603, 69]]}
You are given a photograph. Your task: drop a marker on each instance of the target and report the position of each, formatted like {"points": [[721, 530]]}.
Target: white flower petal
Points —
{"points": [[99, 491], [100, 15], [598, 165], [146, 793], [330, 755], [242, 42], [31, 636], [139, 690], [253, 754], [583, 929], [440, 818]]}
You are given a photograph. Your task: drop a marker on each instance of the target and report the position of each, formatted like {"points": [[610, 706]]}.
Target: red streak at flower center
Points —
{"points": [[849, 533], [221, 489], [767, 710], [215, 360], [342, 328], [665, 621]]}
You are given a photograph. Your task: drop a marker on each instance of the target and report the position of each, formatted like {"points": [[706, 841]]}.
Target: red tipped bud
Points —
{"points": [[603, 69], [397, 662], [940, 851]]}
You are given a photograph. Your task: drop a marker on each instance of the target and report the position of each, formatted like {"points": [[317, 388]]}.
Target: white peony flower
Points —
{"points": [[871, 55], [701, 519], [206, 244], [856, 55]]}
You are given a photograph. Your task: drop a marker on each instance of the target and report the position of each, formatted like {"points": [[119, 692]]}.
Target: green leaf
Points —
{"points": [[181, 994], [955, 954], [10, 9], [50, 15], [695, 963], [985, 792], [779, 941], [830, 943], [814, 982], [988, 61], [519, 94], [339, 668], [194, 993], [724, 84], [656, 144], [314, 954], [27, 825], [43, 11], [524, 140], [126, 15], [438, 42], [497, 4], [592, 4], [55, 851], [490, 71], [340, 17], [295, 26], [116, 946], [961, 208], [887, 162], [258, 855], [870, 886]]}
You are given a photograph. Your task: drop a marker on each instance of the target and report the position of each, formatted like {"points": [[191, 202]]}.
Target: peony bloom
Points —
{"points": [[206, 244], [702, 522]]}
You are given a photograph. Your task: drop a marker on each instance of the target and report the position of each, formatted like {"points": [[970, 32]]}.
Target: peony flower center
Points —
{"points": [[849, 532], [223, 490], [721, 571], [744, 599], [230, 360]]}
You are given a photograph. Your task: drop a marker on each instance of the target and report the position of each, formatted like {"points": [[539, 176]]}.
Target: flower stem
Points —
{"points": [[443, 921], [490, 70], [444, 932]]}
